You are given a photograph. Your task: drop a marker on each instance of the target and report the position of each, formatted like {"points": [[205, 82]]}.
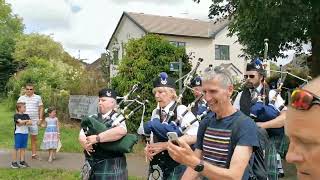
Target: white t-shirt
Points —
{"points": [[32, 105]]}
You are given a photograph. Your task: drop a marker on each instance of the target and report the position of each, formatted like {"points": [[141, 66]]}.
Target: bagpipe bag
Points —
{"points": [[93, 127]]}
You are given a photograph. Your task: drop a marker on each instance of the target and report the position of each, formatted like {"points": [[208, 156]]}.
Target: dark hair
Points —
{"points": [[19, 105], [29, 84], [50, 109]]}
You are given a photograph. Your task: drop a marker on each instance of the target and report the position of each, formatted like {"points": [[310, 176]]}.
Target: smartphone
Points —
{"points": [[173, 137]]}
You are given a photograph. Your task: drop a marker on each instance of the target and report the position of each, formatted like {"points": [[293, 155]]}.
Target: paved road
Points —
{"points": [[72, 161]]}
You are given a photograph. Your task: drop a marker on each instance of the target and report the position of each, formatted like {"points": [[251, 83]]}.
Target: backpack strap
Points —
{"points": [[235, 127]]}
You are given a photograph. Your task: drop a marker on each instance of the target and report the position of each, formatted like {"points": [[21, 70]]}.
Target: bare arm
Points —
{"points": [[189, 139], [277, 122], [109, 135], [239, 161], [191, 174], [41, 112], [112, 134], [156, 148]]}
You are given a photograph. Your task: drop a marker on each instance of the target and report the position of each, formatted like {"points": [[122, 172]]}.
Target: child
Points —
{"points": [[21, 131], [52, 134]]}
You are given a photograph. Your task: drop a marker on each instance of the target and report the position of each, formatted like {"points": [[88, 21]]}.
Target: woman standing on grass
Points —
{"points": [[52, 134]]}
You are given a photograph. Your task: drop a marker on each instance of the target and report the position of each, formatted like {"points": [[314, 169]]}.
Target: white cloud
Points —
{"points": [[87, 25]]}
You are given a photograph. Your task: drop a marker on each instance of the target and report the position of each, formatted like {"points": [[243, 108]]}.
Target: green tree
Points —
{"points": [[41, 46], [144, 59], [53, 71], [10, 27], [286, 23]]}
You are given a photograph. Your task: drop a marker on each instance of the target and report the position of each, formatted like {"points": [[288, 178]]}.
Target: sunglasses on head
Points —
{"points": [[250, 76], [303, 100]]}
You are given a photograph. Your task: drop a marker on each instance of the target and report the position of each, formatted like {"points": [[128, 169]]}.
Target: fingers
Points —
{"points": [[184, 145]]}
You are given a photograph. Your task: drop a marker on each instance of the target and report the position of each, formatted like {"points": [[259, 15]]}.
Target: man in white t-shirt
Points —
{"points": [[34, 108]]}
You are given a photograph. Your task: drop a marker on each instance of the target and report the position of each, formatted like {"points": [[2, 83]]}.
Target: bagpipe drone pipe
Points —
{"points": [[91, 126]]}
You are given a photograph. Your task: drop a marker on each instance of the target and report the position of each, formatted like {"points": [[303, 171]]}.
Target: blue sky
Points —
{"points": [[87, 25]]}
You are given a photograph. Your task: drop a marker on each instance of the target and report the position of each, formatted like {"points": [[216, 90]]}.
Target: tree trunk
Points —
{"points": [[315, 39]]}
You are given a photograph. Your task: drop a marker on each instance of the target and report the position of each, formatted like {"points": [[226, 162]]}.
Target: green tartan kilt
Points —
{"points": [[272, 166], [108, 169], [176, 173]]}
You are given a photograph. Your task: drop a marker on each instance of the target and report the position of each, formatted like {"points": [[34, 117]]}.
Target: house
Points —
{"points": [[206, 39]]}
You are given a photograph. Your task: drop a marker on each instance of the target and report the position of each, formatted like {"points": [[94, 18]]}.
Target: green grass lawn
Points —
{"points": [[43, 174], [69, 135]]}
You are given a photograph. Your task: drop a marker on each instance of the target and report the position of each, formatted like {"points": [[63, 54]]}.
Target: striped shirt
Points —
{"points": [[216, 146], [32, 105]]}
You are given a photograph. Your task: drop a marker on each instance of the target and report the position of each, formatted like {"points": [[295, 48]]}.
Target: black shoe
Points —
{"points": [[15, 165], [280, 175], [23, 164]]}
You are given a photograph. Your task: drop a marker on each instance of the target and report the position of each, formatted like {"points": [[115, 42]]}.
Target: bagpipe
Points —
{"points": [[91, 126], [160, 129], [162, 164], [262, 111]]}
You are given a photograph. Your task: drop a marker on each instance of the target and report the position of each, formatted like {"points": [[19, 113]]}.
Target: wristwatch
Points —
{"points": [[199, 167], [98, 139]]}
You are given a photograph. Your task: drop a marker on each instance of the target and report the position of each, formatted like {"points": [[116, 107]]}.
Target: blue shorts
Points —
{"points": [[20, 141]]}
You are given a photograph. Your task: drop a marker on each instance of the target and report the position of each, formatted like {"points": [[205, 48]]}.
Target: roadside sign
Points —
{"points": [[174, 66]]}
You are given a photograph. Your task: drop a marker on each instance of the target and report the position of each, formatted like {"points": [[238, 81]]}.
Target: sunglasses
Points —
{"points": [[29, 89], [250, 76], [303, 100]]}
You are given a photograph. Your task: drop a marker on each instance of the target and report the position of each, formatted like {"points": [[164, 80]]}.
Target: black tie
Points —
{"points": [[163, 115]]}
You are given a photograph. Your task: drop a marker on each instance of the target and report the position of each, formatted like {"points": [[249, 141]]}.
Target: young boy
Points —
{"points": [[21, 121]]}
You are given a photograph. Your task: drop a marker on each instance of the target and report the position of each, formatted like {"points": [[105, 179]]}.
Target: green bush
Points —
{"points": [[145, 58]]}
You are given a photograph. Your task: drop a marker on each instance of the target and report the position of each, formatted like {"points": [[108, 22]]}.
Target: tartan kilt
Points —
{"points": [[282, 144], [176, 173], [272, 166], [108, 169]]}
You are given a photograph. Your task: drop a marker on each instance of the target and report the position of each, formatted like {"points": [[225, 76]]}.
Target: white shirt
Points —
{"points": [[279, 101], [192, 130], [32, 105]]}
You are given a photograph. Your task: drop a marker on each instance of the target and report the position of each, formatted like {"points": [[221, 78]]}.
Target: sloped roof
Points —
{"points": [[168, 25], [227, 65], [176, 26]]}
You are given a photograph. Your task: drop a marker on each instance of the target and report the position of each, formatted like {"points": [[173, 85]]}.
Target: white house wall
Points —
{"points": [[125, 31], [200, 46], [234, 49]]}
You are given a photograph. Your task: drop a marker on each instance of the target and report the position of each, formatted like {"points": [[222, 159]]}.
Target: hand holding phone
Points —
{"points": [[173, 137]]}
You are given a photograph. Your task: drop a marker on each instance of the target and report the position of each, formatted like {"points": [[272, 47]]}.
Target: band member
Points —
{"points": [[222, 152], [161, 165], [255, 89], [105, 164], [201, 104]]}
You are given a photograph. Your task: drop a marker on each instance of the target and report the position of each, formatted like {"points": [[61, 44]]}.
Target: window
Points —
{"points": [[178, 44], [115, 57], [222, 52]]}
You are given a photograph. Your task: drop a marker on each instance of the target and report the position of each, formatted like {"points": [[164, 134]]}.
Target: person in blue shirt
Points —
{"points": [[215, 157]]}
